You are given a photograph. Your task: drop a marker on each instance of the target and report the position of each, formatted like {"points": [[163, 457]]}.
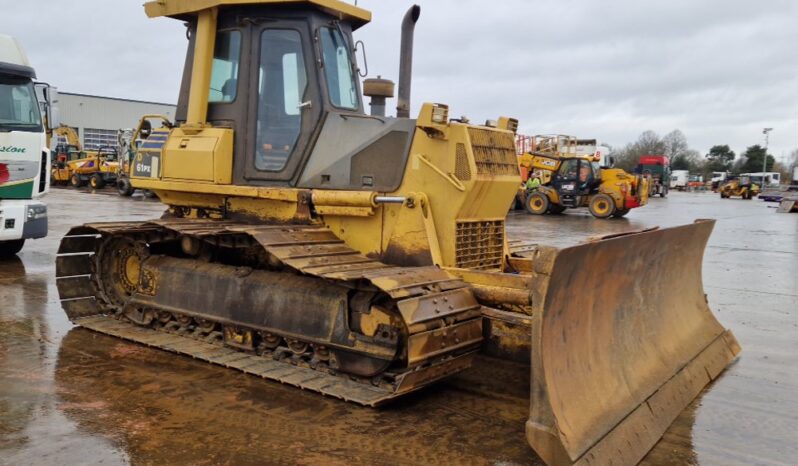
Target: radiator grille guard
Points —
{"points": [[479, 244], [494, 152], [461, 168]]}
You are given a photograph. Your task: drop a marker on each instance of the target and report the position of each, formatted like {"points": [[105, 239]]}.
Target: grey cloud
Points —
{"points": [[717, 70]]}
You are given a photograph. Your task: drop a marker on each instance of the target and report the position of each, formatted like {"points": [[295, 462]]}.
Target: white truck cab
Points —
{"points": [[26, 111], [679, 179]]}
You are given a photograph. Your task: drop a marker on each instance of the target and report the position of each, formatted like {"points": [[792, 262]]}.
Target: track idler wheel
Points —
{"points": [[118, 269]]}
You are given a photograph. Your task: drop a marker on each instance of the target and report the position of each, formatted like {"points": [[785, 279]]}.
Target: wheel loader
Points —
{"points": [[365, 257], [575, 181], [741, 186]]}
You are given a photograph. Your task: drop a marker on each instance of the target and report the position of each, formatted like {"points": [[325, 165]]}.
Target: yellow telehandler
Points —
{"points": [[365, 257], [568, 180]]}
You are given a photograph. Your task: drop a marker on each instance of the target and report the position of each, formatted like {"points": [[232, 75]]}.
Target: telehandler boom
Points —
{"points": [[365, 257]]}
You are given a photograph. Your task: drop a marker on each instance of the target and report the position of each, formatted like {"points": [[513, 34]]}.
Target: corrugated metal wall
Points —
{"points": [[105, 113]]}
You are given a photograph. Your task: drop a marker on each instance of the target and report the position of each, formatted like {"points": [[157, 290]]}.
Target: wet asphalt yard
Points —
{"points": [[70, 396]]}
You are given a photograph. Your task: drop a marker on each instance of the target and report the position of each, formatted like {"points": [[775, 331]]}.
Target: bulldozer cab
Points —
{"points": [[283, 78]]}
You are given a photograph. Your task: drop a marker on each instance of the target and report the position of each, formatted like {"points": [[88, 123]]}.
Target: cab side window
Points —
{"points": [[338, 68], [224, 72]]}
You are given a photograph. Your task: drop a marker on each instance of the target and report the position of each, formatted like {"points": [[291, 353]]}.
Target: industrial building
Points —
{"points": [[97, 119]]}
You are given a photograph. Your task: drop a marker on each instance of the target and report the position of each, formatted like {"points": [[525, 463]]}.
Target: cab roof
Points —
{"points": [[13, 59], [180, 8]]}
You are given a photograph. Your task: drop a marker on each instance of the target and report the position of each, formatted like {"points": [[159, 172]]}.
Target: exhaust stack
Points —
{"points": [[406, 61]]}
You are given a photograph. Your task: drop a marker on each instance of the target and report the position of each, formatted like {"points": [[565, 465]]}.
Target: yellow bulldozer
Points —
{"points": [[76, 167], [365, 257], [738, 186], [568, 180]]}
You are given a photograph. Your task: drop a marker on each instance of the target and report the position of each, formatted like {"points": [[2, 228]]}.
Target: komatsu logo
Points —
{"points": [[12, 149]]}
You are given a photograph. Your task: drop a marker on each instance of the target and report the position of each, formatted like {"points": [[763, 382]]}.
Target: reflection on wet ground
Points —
{"points": [[72, 396], [151, 398]]}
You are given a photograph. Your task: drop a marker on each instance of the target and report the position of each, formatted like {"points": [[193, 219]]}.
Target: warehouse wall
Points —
{"points": [[98, 118]]}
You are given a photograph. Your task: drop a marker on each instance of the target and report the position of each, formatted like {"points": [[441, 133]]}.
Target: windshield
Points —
{"points": [[109, 155], [338, 70], [569, 169], [19, 109]]}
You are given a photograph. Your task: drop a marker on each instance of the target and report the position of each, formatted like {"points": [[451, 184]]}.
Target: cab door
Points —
{"points": [[285, 103], [564, 180]]}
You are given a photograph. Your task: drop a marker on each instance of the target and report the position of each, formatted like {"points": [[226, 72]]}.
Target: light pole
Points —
{"points": [[766, 132]]}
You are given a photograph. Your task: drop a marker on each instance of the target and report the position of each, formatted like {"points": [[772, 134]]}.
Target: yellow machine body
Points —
{"points": [[609, 354], [739, 187], [86, 167], [478, 185], [74, 166], [131, 141]]}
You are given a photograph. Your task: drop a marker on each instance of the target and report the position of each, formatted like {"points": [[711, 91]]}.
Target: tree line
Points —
{"points": [[720, 158]]}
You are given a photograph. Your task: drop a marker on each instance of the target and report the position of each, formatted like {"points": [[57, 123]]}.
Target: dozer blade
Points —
{"points": [[624, 342], [618, 334]]}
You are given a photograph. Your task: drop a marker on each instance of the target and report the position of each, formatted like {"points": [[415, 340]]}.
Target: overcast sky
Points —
{"points": [[720, 71]]}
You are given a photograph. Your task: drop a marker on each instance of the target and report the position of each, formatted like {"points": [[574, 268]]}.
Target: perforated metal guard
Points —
{"points": [[479, 244]]}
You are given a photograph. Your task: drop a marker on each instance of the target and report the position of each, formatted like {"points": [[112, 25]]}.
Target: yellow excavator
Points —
{"points": [[365, 257], [568, 180], [64, 153]]}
